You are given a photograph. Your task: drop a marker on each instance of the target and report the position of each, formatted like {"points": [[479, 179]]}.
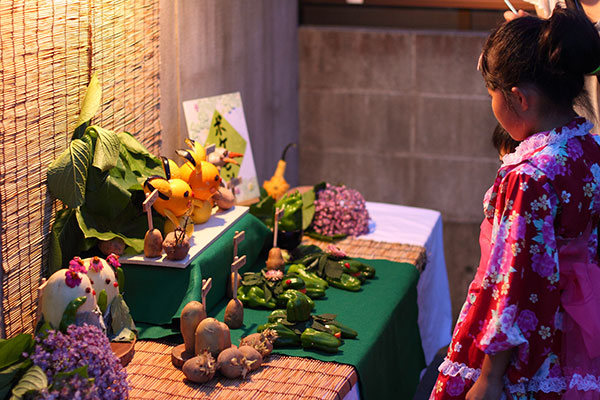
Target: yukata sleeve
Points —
{"points": [[519, 300]]}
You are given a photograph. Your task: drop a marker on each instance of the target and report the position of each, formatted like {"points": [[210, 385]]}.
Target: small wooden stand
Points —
{"points": [[278, 215]]}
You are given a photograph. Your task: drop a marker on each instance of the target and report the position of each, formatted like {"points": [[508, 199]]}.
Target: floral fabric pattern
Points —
{"points": [[545, 193]]}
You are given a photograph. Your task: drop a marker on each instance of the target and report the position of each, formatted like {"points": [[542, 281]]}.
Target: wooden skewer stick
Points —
{"points": [[147, 205], [238, 262], [278, 215], [237, 239], [206, 285]]}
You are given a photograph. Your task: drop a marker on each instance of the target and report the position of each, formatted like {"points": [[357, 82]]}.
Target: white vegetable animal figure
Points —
{"points": [[64, 286], [102, 277]]}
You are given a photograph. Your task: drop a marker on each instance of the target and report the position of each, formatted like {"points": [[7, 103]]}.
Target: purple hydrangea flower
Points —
{"points": [[81, 346], [339, 210]]}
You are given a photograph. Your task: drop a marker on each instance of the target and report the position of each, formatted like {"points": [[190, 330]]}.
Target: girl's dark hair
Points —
{"points": [[552, 54], [502, 140]]}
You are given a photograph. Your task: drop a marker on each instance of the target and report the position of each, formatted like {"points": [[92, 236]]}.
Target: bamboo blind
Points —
{"points": [[48, 50]]}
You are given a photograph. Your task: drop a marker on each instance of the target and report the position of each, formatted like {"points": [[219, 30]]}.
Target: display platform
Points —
{"points": [[204, 235]]}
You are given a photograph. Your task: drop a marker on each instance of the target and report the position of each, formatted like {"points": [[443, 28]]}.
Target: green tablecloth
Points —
{"points": [[387, 353]]}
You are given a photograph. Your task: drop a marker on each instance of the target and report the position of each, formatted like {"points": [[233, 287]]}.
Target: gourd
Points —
{"points": [[102, 277], [277, 186]]}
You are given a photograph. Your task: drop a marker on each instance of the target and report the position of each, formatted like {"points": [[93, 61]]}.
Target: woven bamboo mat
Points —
{"points": [[49, 50], [398, 252], [152, 376]]}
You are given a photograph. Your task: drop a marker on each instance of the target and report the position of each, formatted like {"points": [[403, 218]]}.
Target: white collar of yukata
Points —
{"points": [[579, 126]]}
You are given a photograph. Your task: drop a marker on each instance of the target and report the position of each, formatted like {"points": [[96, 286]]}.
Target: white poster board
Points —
{"points": [[199, 115]]}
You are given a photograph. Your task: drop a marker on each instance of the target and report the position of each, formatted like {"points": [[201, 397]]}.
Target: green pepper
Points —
{"points": [[312, 338], [285, 336], [283, 298], [309, 278], [315, 292], [347, 332], [335, 330], [351, 267], [68, 317], [297, 304], [346, 282], [277, 315], [356, 266], [254, 297], [292, 212], [293, 282]]}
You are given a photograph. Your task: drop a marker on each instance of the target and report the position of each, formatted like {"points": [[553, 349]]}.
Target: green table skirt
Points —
{"points": [[387, 353]]}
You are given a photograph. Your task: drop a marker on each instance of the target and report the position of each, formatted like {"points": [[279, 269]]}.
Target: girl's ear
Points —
{"points": [[521, 98]]}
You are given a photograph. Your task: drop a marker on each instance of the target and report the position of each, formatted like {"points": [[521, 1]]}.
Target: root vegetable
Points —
{"points": [[192, 314], [176, 245], [253, 357], [213, 336], [232, 363], [262, 342], [115, 245], [201, 368], [153, 243], [234, 314]]}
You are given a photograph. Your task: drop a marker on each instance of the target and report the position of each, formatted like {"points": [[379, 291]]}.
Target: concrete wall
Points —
{"points": [[403, 116], [213, 47]]}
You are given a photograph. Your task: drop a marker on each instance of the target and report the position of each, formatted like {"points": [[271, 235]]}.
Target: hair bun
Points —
{"points": [[570, 42]]}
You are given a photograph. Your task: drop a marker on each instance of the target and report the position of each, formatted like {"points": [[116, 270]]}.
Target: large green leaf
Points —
{"points": [[308, 208], [91, 101], [94, 226], [9, 375], [66, 240], [67, 175], [264, 210], [121, 317], [106, 195], [11, 350], [34, 379], [106, 152], [132, 144]]}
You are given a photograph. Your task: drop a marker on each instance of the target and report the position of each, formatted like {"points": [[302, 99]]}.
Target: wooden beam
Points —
{"points": [[463, 4]]}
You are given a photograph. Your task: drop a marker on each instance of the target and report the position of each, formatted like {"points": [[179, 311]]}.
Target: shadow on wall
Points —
{"points": [[402, 116]]}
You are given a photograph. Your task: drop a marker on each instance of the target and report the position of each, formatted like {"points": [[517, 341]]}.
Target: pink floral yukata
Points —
{"points": [[537, 288]]}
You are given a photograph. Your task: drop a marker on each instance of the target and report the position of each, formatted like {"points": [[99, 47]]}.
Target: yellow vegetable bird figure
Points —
{"points": [[277, 186], [205, 180], [174, 195], [193, 157]]}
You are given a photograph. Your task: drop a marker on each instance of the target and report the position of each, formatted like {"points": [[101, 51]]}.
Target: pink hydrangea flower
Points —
{"points": [[96, 264], [113, 260], [72, 278], [77, 265]]}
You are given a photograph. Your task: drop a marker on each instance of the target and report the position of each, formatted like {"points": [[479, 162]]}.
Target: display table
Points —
{"points": [[151, 373]]}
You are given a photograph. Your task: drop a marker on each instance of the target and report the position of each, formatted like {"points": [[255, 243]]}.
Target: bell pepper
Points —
{"points": [[346, 282], [254, 297], [285, 336], [335, 330], [292, 212], [351, 268], [297, 304], [347, 333], [277, 315], [309, 278], [315, 292], [312, 338], [355, 267], [293, 282], [283, 298]]}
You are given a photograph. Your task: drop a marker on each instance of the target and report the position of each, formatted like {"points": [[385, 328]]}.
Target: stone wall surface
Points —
{"points": [[403, 116]]}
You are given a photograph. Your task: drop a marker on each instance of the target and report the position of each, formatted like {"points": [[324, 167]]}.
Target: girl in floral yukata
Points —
{"points": [[530, 326]]}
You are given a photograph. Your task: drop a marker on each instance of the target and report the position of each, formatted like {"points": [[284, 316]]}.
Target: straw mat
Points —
{"points": [[49, 51], [152, 376], [398, 252]]}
